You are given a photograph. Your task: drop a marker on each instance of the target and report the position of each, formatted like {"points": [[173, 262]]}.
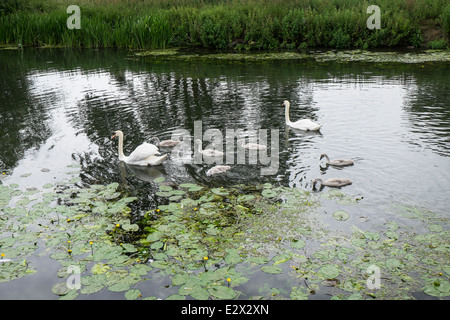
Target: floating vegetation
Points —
{"points": [[342, 56], [217, 243]]}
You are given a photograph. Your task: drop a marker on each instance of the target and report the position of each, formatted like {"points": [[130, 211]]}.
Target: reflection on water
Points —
{"points": [[58, 107]]}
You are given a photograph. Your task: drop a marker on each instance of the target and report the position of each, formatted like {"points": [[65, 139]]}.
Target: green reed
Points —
{"points": [[233, 24]]}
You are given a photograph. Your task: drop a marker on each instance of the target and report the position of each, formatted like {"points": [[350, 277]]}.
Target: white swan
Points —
{"points": [[252, 146], [304, 124], [166, 143], [208, 152], [337, 162], [217, 170], [144, 155], [333, 182]]}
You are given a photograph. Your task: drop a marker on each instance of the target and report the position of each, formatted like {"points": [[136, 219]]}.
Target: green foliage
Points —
{"points": [[233, 24], [438, 44], [445, 19]]}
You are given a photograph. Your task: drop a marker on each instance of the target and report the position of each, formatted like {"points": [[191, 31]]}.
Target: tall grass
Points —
{"points": [[226, 24]]}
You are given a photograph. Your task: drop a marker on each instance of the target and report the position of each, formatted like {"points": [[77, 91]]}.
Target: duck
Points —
{"points": [[146, 154], [165, 143], [337, 162], [217, 169], [332, 182], [208, 152], [304, 124]]}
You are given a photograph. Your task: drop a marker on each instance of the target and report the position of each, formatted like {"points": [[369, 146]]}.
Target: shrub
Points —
{"points": [[438, 44]]}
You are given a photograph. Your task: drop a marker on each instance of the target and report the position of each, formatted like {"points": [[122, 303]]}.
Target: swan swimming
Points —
{"points": [[208, 152], [217, 169], [166, 143], [337, 162], [304, 124], [332, 182], [144, 155], [252, 146]]}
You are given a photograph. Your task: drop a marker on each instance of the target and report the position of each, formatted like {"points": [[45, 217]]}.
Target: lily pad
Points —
{"points": [[298, 244], [60, 289], [329, 271], [132, 294], [222, 292], [341, 215], [272, 269]]}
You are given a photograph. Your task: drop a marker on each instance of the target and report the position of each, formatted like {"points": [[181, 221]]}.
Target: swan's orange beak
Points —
{"points": [[114, 135]]}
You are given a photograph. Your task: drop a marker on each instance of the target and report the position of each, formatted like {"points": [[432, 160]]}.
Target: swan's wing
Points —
{"points": [[155, 160], [143, 151], [306, 124]]}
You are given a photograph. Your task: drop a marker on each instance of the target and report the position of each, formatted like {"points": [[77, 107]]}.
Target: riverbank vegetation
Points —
{"points": [[240, 25]]}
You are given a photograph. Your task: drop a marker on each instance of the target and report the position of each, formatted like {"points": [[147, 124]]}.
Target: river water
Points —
{"points": [[60, 107]]}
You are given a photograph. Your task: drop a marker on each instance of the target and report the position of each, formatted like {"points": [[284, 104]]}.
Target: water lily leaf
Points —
{"points": [[156, 245], [298, 244], [298, 294], [329, 271], [269, 193], [154, 236], [195, 188], [392, 235], [355, 296], [245, 198], [91, 288], [258, 260], [222, 292], [140, 269], [60, 289], [220, 191], [372, 235], [341, 215], [100, 268], [233, 257], [179, 279], [392, 264], [325, 255], [130, 227], [119, 287], [199, 293], [132, 294], [163, 194], [128, 247], [159, 180], [272, 269], [188, 185], [438, 288]]}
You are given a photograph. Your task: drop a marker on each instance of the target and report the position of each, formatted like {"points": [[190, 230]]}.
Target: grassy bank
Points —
{"points": [[233, 24]]}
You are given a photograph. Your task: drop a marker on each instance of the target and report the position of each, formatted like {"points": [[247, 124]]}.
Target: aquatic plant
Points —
{"points": [[215, 243]]}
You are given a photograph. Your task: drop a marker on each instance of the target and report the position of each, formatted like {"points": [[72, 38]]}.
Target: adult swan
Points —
{"points": [[304, 124], [144, 155]]}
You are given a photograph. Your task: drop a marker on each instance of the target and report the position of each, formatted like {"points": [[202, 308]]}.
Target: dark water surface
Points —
{"points": [[59, 107]]}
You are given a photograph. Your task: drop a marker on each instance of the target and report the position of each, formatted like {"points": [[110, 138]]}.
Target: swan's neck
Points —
{"points": [[326, 157], [121, 155], [286, 114]]}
